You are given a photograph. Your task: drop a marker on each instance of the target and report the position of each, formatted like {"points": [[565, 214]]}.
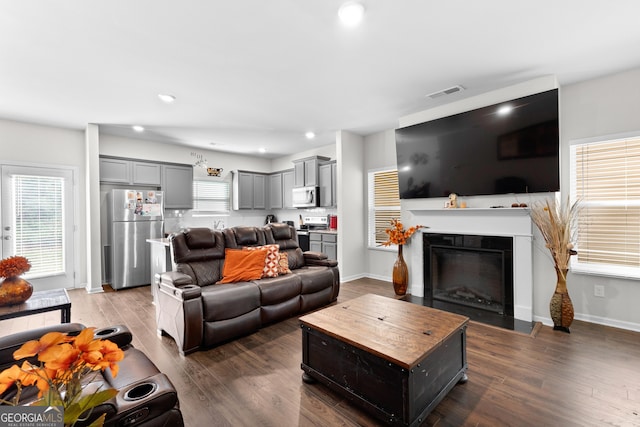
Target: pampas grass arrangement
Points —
{"points": [[556, 222]]}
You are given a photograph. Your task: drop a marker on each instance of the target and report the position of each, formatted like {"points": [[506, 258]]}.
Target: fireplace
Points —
{"points": [[470, 275]]}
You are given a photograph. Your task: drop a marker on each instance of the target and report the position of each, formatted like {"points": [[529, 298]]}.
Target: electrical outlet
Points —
{"points": [[598, 291]]}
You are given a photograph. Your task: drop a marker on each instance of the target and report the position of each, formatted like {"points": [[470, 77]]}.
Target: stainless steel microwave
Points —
{"points": [[306, 197]]}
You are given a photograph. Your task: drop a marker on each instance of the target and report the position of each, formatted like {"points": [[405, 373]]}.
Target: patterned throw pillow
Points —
{"points": [[271, 260], [283, 263]]}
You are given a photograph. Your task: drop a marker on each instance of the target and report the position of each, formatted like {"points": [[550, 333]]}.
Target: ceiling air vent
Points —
{"points": [[448, 91]]}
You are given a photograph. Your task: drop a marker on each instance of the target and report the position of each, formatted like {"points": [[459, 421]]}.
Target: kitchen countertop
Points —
{"points": [[324, 231]]}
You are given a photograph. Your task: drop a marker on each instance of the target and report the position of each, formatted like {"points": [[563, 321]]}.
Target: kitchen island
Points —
{"points": [[160, 261]]}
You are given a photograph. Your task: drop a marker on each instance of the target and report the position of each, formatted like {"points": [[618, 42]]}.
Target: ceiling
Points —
{"points": [[256, 73]]}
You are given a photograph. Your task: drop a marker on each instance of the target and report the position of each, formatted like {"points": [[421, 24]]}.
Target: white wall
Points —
{"points": [[29, 144], [603, 106], [379, 154], [351, 207]]}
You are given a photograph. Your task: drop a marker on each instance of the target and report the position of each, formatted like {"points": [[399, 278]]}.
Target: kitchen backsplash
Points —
{"points": [[175, 220]]}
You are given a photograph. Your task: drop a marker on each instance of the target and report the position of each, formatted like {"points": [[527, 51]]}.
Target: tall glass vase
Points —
{"points": [[561, 307], [400, 274]]}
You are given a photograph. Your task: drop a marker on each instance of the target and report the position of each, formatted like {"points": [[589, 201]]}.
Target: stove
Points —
{"points": [[310, 223]]}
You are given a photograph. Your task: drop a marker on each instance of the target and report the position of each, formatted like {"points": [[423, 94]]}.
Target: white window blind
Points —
{"points": [[605, 177], [211, 196], [39, 222], [384, 204]]}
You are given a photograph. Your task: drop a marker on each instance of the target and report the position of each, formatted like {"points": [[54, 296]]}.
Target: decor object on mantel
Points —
{"points": [[399, 236], [14, 289], [66, 362], [556, 222]]}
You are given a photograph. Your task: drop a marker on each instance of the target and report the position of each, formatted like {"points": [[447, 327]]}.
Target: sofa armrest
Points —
{"points": [[179, 311], [176, 278], [319, 259]]}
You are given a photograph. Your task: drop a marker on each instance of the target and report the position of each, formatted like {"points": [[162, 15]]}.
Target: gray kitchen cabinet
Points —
{"points": [[324, 242], [177, 185], [259, 191], [249, 190], [287, 189], [276, 192], [146, 173], [306, 170], [327, 179], [115, 170], [131, 172]]}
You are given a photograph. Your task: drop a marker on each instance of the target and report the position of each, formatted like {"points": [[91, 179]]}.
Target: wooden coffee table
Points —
{"points": [[396, 359], [40, 302]]}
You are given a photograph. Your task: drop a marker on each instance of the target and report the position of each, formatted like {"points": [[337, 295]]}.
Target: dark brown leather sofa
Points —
{"points": [[196, 312], [146, 397]]}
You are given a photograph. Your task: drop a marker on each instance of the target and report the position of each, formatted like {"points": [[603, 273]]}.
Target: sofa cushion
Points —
{"points": [[241, 266], [278, 289], [314, 279], [230, 300], [271, 260], [295, 257]]}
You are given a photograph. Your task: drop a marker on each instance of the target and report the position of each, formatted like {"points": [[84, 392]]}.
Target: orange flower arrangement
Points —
{"points": [[14, 266], [64, 362], [397, 234]]}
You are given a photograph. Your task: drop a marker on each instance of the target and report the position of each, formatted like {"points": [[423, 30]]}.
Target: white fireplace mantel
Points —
{"points": [[510, 222]]}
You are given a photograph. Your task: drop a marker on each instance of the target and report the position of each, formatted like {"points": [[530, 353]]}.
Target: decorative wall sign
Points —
{"points": [[214, 171]]}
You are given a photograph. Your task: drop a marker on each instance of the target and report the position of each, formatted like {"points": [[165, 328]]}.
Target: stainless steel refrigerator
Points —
{"points": [[134, 216]]}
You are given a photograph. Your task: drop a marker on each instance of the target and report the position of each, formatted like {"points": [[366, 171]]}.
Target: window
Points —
{"points": [[39, 222], [605, 177], [384, 204], [211, 196]]}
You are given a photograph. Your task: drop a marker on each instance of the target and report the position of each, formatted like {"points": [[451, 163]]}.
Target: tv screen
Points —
{"points": [[510, 147]]}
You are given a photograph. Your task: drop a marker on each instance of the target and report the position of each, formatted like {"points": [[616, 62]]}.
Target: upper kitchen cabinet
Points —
{"points": [[115, 170], [275, 191], [306, 171], [130, 172], [146, 173], [327, 181], [249, 190], [280, 190], [177, 184], [287, 189]]}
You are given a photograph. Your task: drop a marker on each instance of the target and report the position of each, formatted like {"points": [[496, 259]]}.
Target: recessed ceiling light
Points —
{"points": [[138, 128], [310, 135], [262, 150], [166, 98], [351, 13]]}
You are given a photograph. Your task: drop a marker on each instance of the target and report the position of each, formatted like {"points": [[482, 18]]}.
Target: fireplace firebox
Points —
{"points": [[470, 275]]}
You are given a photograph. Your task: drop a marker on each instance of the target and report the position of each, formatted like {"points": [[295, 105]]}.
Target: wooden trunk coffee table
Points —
{"points": [[396, 359]]}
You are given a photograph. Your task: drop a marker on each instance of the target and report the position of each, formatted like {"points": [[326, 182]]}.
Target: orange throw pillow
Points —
{"points": [[241, 266]]}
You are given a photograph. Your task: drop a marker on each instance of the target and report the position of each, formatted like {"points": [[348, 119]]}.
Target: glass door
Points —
{"points": [[36, 218]]}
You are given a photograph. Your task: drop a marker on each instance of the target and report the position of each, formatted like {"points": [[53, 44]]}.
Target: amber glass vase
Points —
{"points": [[400, 274], [561, 307], [14, 290]]}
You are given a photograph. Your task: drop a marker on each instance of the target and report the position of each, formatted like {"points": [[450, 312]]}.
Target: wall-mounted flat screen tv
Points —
{"points": [[510, 147]]}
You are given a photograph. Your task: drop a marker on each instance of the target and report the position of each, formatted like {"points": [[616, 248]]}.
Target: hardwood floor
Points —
{"points": [[590, 377]]}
